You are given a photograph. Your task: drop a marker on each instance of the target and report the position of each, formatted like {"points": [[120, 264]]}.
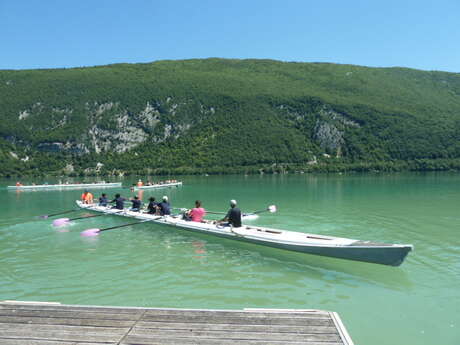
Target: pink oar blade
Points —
{"points": [[90, 232], [60, 222]]}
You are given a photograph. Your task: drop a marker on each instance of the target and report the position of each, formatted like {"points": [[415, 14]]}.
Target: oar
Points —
{"points": [[45, 216], [210, 212], [65, 221], [96, 231], [271, 209]]}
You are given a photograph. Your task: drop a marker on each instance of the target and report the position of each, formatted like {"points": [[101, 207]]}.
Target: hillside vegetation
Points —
{"points": [[225, 116]]}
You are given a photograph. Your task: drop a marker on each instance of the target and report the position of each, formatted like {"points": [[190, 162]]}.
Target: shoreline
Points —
{"points": [[419, 165]]}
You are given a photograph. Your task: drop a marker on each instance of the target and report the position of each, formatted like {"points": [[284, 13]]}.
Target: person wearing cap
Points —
{"points": [[164, 207], [233, 216], [87, 197], [140, 183]]}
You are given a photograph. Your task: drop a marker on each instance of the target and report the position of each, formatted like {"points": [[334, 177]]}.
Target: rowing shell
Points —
{"points": [[67, 186], [344, 248], [156, 186]]}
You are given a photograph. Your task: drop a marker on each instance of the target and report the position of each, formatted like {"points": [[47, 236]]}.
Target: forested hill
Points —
{"points": [[220, 115]]}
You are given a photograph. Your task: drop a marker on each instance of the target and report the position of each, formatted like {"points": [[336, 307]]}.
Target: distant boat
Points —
{"points": [[159, 185], [66, 186]]}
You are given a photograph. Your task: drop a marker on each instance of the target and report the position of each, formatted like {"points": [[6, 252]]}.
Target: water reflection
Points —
{"points": [[241, 256]]}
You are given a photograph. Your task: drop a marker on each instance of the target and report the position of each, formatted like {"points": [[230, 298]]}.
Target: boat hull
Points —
{"points": [[157, 186], [67, 186], [342, 248], [391, 256]]}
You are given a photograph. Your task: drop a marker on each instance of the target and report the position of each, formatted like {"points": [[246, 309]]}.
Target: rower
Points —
{"points": [[103, 201], [164, 207], [136, 204], [196, 214], [87, 197], [119, 202], [140, 183], [152, 207], [233, 217]]}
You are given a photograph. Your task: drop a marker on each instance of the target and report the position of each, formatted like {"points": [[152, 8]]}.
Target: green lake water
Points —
{"points": [[153, 265]]}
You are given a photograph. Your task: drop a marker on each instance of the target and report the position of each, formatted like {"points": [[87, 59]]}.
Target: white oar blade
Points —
{"points": [[272, 208]]}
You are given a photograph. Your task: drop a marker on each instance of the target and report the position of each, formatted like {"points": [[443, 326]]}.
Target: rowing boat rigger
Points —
{"points": [[344, 248]]}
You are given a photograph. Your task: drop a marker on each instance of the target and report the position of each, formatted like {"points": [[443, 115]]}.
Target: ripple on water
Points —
{"points": [[157, 266]]}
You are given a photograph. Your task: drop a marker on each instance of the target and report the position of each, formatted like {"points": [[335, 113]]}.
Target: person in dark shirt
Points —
{"points": [[136, 204], [119, 202], [233, 216], [103, 201], [164, 207], [152, 207]]}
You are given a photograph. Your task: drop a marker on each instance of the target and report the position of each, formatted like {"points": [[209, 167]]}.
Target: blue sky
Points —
{"points": [[71, 33]]}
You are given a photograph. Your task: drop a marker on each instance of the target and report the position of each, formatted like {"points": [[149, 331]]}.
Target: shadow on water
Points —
{"points": [[316, 267]]}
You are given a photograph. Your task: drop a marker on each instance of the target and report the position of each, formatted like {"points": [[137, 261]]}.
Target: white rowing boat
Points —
{"points": [[344, 248], [67, 186], [160, 185]]}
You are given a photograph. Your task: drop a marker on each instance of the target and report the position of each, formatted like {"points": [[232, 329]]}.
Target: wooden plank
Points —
{"points": [[70, 314], [235, 327], [67, 321], [10, 341], [136, 340], [239, 320], [25, 327], [346, 339], [227, 313], [64, 307], [60, 336], [234, 335]]}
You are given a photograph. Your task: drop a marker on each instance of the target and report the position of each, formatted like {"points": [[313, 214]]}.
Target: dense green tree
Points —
{"points": [[226, 115]]}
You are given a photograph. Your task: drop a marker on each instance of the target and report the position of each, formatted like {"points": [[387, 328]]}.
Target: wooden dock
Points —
{"points": [[35, 323]]}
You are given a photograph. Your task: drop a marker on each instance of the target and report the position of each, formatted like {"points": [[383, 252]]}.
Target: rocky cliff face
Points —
{"points": [[112, 127], [325, 126], [330, 130]]}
